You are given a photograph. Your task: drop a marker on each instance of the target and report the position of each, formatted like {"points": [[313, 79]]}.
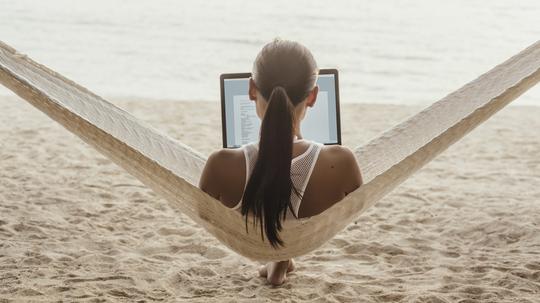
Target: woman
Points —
{"points": [[282, 176]]}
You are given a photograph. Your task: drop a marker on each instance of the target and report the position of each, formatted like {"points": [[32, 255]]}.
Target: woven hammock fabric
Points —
{"points": [[172, 169]]}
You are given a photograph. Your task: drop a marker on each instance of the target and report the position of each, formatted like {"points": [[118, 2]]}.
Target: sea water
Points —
{"points": [[394, 51]]}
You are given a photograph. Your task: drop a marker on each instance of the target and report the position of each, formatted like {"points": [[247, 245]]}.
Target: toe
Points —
{"points": [[292, 265], [263, 271]]}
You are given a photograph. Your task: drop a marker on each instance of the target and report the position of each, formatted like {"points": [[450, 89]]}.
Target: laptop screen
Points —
{"points": [[241, 124]]}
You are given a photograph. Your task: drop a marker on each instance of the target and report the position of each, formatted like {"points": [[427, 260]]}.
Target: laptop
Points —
{"points": [[241, 125]]}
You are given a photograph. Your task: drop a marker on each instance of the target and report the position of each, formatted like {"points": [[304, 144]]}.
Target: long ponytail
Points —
{"points": [[285, 72], [268, 190]]}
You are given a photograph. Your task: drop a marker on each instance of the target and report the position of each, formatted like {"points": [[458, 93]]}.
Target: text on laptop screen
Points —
{"points": [[243, 124]]}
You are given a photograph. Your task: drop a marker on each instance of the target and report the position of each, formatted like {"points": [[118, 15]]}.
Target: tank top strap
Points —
{"points": [[301, 170], [250, 151]]}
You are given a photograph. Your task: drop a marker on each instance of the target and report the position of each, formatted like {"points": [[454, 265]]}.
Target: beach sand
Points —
{"points": [[75, 227]]}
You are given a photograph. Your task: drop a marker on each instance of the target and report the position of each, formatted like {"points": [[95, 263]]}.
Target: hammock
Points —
{"points": [[172, 169]]}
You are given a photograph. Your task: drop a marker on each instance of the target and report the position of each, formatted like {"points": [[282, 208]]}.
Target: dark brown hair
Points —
{"points": [[284, 72]]}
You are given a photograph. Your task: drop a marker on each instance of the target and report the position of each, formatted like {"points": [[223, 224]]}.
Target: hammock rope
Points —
{"points": [[172, 169]]}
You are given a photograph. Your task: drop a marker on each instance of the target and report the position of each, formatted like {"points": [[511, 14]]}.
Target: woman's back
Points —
{"points": [[329, 173], [301, 168]]}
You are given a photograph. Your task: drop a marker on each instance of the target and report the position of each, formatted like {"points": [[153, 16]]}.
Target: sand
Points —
{"points": [[75, 227]]}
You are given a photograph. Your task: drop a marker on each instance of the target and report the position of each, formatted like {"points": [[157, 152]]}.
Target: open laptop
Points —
{"points": [[240, 123]]}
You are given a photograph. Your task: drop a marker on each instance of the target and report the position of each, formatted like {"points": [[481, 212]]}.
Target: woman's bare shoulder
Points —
{"points": [[223, 159], [223, 169], [338, 153], [226, 153], [342, 161], [336, 174]]}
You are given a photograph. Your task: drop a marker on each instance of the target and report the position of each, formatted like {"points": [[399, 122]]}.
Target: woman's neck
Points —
{"points": [[297, 133]]}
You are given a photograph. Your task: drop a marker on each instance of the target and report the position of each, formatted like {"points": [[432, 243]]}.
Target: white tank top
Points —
{"points": [[301, 169]]}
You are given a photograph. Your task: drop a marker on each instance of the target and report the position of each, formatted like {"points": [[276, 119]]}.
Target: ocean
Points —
{"points": [[400, 52]]}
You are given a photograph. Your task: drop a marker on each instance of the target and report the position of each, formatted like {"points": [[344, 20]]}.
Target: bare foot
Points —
{"points": [[276, 272]]}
